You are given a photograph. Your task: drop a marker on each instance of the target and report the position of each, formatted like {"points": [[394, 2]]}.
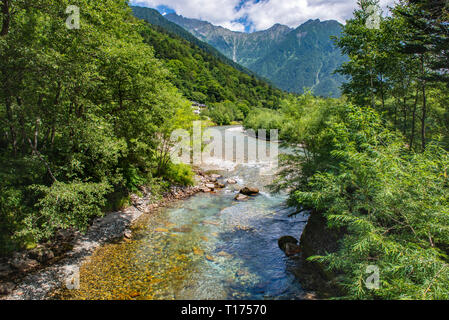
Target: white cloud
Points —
{"points": [[295, 12], [218, 12], [262, 14]]}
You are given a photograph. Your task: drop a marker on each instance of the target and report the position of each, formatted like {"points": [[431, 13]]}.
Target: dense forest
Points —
{"points": [[162, 24], [375, 162], [86, 115], [292, 59], [203, 75]]}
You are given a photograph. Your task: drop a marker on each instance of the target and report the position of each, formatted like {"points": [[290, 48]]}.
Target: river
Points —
{"points": [[206, 247]]}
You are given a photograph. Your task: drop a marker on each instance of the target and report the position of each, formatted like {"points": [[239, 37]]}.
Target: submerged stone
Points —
{"points": [[241, 197], [289, 245]]}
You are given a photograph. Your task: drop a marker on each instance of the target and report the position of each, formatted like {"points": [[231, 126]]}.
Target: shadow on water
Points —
{"points": [[269, 271]]}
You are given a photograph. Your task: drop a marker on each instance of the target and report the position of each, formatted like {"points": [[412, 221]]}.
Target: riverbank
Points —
{"points": [[210, 246], [35, 281]]}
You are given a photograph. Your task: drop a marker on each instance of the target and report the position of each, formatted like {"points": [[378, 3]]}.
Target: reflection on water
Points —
{"points": [[206, 247]]}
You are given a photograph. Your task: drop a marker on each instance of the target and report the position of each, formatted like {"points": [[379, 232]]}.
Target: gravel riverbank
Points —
{"points": [[114, 226]]}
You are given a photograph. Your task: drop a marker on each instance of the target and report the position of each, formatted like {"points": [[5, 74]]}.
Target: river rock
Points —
{"points": [[135, 200], [223, 254], [289, 245], [310, 296], [241, 197], [219, 185], [41, 254], [5, 270], [128, 234], [213, 180], [213, 223], [292, 249], [24, 264], [247, 191], [6, 288], [65, 236], [205, 189], [183, 229], [231, 181], [215, 176], [210, 186], [200, 173], [244, 228], [319, 239]]}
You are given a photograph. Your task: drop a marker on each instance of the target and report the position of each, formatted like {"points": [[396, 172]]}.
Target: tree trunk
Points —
{"points": [[405, 108], [39, 155], [382, 93], [52, 139], [36, 132], [373, 100], [424, 107], [6, 18], [11, 126], [415, 106]]}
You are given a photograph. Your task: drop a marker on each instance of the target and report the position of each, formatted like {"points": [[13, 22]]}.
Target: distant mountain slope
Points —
{"points": [[199, 71], [153, 17], [291, 59], [306, 58], [243, 48]]}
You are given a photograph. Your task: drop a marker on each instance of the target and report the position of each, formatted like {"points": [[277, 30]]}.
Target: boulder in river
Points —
{"points": [[241, 197], [231, 181], [210, 186], [289, 245], [205, 189], [248, 191], [219, 185], [292, 249]]}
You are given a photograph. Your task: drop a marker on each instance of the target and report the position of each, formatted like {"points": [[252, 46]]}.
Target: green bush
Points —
{"points": [[134, 179], [180, 174], [264, 119], [393, 204], [62, 206]]}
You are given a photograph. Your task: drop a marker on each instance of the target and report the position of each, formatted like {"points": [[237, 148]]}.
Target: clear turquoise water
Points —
{"points": [[206, 247], [254, 267]]}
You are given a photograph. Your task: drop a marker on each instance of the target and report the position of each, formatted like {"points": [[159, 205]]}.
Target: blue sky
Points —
{"points": [[254, 15]]}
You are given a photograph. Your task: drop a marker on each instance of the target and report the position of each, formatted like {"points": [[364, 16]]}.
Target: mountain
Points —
{"points": [[306, 58], [158, 21], [243, 48], [292, 59], [199, 71]]}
